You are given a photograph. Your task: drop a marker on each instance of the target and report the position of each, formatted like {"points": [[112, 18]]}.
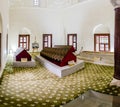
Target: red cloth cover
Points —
{"points": [[23, 54]]}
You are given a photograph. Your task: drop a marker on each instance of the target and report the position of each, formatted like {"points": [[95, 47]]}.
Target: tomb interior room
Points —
{"points": [[59, 53]]}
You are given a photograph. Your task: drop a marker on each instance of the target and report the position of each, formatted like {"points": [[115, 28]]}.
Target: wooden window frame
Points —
{"points": [[74, 40], [104, 44], [46, 40], [27, 36]]}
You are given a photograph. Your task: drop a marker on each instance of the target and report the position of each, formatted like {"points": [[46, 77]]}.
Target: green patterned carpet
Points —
{"points": [[37, 87]]}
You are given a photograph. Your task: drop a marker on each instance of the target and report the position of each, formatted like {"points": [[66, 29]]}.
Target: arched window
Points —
{"points": [[102, 42], [101, 38]]}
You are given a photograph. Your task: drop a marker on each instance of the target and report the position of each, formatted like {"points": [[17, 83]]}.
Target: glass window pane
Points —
{"points": [[97, 39], [106, 49], [21, 45], [20, 39], [74, 38], [45, 44], [70, 40], [49, 41], [36, 2], [45, 39], [25, 39]]}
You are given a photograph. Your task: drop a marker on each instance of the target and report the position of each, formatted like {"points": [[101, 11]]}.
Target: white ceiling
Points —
{"points": [[44, 3]]}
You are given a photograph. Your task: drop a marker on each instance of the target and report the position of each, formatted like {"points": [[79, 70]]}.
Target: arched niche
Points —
{"points": [[25, 30], [101, 38], [98, 29]]}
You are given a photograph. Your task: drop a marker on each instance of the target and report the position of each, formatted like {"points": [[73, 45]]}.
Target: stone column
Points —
{"points": [[117, 44], [116, 77]]}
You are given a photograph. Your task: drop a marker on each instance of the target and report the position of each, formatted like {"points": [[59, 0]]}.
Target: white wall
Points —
{"points": [[38, 21], [80, 18], [4, 28], [84, 17]]}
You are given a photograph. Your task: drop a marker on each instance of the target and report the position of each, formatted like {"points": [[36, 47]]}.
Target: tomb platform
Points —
{"points": [[22, 58], [24, 64], [60, 71]]}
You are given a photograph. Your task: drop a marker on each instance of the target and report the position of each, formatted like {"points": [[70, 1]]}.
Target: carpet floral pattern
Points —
{"points": [[38, 87]]}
